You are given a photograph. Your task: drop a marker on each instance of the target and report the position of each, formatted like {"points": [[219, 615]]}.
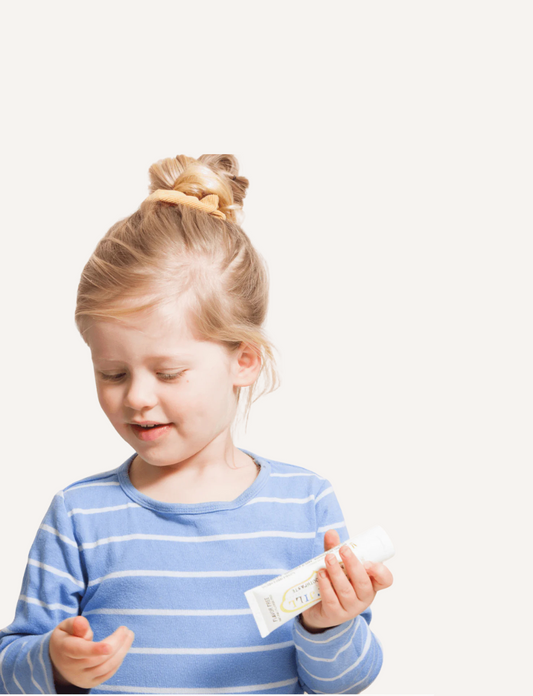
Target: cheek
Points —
{"points": [[108, 400], [197, 399]]}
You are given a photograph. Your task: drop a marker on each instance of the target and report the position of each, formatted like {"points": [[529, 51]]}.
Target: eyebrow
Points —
{"points": [[185, 356], [178, 358]]}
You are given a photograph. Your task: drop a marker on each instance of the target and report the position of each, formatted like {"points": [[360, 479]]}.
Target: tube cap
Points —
{"points": [[374, 545]]}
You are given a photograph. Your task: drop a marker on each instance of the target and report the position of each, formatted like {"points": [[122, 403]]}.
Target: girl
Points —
{"points": [[136, 579]]}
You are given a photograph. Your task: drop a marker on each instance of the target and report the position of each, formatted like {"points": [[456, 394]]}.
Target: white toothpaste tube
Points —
{"points": [[277, 601]]}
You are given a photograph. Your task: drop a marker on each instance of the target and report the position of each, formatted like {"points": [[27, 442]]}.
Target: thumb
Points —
{"points": [[380, 576], [81, 628], [331, 539]]}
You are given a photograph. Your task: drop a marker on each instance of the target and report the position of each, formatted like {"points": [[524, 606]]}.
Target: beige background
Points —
{"points": [[389, 151]]}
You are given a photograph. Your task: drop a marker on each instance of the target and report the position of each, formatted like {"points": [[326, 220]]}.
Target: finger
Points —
{"points": [[82, 628], [341, 584], [124, 641], [330, 601], [125, 638], [380, 576], [357, 575], [331, 539], [79, 649], [76, 625], [106, 669]]}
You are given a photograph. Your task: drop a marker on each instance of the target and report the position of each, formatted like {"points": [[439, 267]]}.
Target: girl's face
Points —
{"points": [[153, 370]]}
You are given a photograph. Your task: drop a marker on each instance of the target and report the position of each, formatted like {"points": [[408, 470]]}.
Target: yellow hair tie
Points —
{"points": [[209, 204]]}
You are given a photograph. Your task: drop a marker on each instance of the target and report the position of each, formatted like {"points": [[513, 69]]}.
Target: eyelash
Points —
{"points": [[167, 377]]}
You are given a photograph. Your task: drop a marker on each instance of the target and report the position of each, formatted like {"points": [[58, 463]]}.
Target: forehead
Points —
{"points": [[151, 334]]}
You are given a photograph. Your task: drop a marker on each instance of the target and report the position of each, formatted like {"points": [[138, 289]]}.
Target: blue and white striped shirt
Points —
{"points": [[176, 575]]}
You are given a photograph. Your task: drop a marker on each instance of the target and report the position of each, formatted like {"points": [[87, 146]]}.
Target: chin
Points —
{"points": [[160, 458]]}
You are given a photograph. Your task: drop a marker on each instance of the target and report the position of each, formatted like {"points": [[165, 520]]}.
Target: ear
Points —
{"points": [[247, 365]]}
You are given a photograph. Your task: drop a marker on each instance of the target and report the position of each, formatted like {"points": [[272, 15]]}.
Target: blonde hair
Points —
{"points": [[163, 253]]}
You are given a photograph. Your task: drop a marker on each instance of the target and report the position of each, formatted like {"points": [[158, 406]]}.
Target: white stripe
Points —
{"points": [[324, 493], [211, 651], [16, 680], [88, 485], [197, 540], [47, 528], [93, 511], [32, 600], [327, 659], [2, 656], [298, 501], [115, 689], [287, 475], [49, 689], [352, 686], [56, 571], [189, 574], [327, 640], [31, 672], [349, 669], [171, 612], [337, 525]]}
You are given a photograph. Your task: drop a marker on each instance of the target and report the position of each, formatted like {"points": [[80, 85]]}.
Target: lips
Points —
{"points": [[147, 434]]}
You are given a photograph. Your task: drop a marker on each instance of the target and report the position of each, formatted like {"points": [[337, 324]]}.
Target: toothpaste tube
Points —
{"points": [[277, 601]]}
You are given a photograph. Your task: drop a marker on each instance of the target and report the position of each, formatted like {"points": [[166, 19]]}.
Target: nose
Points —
{"points": [[140, 393]]}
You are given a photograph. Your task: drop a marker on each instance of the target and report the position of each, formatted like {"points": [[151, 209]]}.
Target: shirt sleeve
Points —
{"points": [[52, 588], [346, 658]]}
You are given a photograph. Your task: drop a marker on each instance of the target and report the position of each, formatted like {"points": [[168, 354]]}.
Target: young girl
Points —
{"points": [[135, 581]]}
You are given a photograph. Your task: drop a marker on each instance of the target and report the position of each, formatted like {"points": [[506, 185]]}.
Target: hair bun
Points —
{"points": [[207, 175]]}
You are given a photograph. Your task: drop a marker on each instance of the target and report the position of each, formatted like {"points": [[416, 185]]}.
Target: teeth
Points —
{"points": [[149, 426]]}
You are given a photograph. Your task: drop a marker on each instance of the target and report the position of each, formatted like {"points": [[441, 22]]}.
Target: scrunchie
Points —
{"points": [[209, 203]]}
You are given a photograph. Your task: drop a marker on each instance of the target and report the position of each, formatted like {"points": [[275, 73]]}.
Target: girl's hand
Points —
{"points": [[344, 596], [77, 660]]}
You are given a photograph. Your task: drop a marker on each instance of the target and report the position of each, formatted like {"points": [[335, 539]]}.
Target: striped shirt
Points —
{"points": [[176, 575]]}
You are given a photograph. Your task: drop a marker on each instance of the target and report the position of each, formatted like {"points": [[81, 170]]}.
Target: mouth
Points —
{"points": [[150, 431]]}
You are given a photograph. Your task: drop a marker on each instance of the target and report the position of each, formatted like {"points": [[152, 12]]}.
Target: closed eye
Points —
{"points": [[165, 376], [111, 378], [169, 377]]}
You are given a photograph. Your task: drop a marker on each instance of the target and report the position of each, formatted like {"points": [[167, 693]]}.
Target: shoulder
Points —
{"points": [[103, 478], [102, 486], [282, 471]]}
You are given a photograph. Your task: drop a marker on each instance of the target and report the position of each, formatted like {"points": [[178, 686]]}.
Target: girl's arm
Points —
{"points": [[346, 658], [52, 589]]}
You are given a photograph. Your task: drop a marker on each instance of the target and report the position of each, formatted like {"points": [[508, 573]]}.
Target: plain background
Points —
{"points": [[389, 151]]}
